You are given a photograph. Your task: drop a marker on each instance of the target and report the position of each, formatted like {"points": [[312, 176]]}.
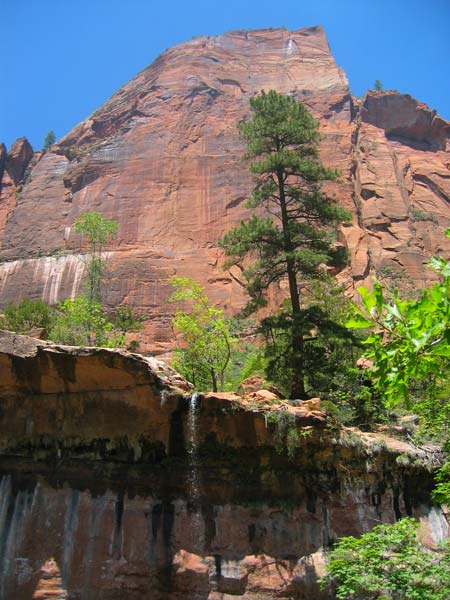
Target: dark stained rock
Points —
{"points": [[18, 159], [403, 117], [116, 484]]}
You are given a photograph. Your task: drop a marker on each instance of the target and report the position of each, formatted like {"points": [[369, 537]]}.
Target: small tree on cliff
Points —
{"points": [[99, 231], [293, 242], [83, 321], [378, 86], [205, 342], [49, 140]]}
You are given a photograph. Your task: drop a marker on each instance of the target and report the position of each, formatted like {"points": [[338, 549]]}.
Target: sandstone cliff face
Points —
{"points": [[163, 157], [116, 483]]}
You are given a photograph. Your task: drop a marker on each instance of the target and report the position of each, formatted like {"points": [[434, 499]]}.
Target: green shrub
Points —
{"points": [[441, 492], [388, 562], [81, 322], [28, 314]]}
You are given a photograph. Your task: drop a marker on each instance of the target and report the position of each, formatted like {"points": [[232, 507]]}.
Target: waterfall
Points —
{"points": [[289, 46], [193, 479]]}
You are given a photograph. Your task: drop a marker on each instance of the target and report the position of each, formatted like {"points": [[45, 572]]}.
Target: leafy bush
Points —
{"points": [[441, 492], [81, 322], [28, 314], [389, 562], [246, 360], [410, 339], [205, 342]]}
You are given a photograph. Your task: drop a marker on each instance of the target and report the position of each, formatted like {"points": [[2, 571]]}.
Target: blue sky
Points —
{"points": [[62, 59]]}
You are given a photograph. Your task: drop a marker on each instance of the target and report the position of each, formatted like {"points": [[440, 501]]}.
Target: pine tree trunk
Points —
{"points": [[298, 371]]}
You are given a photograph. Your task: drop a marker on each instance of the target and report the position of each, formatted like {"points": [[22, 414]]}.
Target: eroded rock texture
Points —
{"points": [[116, 483], [163, 157]]}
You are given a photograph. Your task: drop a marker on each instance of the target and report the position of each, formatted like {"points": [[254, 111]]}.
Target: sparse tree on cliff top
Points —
{"points": [[293, 242], [378, 86], [49, 140]]}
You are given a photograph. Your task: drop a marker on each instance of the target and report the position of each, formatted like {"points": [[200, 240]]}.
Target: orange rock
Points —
{"points": [[50, 584], [256, 383], [312, 404], [263, 396]]}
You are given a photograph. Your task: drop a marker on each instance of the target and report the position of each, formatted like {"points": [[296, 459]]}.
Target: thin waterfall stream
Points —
{"points": [[194, 491], [193, 471]]}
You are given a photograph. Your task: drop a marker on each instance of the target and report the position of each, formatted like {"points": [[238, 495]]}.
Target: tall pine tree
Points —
{"points": [[293, 241]]}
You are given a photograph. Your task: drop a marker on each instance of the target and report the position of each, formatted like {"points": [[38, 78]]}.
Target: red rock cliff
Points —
{"points": [[163, 157]]}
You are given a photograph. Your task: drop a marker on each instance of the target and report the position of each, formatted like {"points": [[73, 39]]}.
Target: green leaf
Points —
{"points": [[358, 323]]}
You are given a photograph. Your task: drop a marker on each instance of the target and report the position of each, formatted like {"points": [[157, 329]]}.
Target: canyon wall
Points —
{"points": [[116, 483], [164, 159]]}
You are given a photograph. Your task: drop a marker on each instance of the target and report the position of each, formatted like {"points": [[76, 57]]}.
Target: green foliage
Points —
{"points": [[281, 139], [330, 353], [286, 434], [410, 348], [133, 346], [246, 360], [49, 140], [378, 86], [441, 492], [419, 215], [81, 322], [204, 339], [125, 319], [411, 338], [98, 231], [26, 315], [389, 562]]}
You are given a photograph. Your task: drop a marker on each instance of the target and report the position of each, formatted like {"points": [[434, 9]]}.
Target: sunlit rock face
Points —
{"points": [[116, 483], [163, 158]]}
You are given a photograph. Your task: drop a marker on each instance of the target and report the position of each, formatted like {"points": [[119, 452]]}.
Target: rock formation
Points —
{"points": [[116, 483], [163, 157]]}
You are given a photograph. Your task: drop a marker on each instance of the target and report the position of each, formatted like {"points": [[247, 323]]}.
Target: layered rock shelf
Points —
{"points": [[117, 482], [163, 158]]}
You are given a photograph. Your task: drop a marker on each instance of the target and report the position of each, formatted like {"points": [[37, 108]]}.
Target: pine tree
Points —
{"points": [[378, 86], [49, 140], [293, 241]]}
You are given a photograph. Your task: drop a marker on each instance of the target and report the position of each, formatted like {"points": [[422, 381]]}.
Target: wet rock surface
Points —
{"points": [[117, 483]]}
